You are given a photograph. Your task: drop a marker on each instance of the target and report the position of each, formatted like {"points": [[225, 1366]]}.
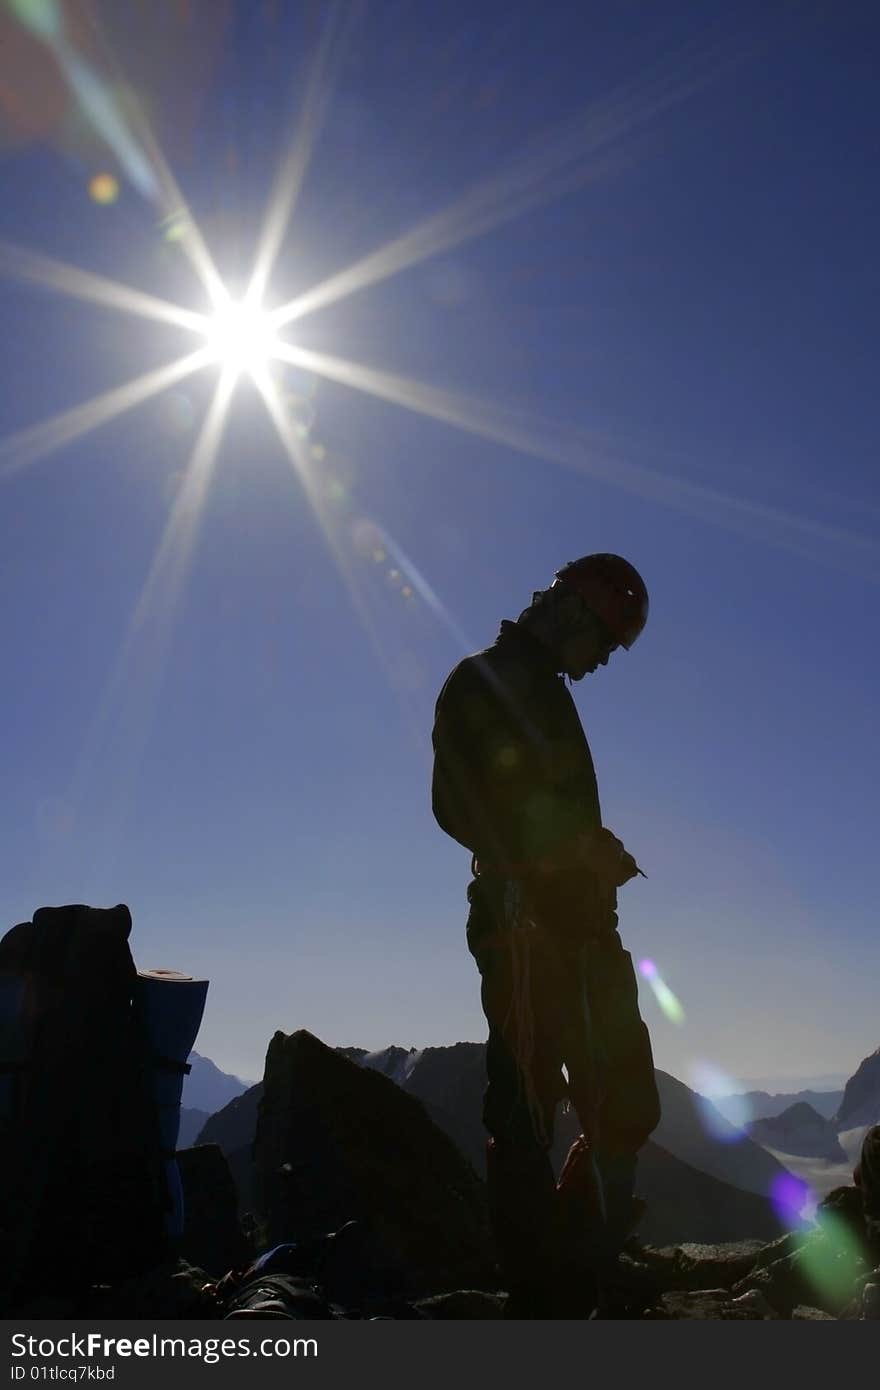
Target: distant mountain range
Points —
{"points": [[694, 1135], [790, 1085], [799, 1130], [698, 1186], [192, 1122], [450, 1082], [208, 1088], [747, 1106]]}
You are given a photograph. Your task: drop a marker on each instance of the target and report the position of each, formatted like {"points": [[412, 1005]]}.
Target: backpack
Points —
{"points": [[84, 1197]]}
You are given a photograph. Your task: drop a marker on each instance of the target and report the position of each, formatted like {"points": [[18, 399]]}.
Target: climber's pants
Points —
{"points": [[550, 1005]]}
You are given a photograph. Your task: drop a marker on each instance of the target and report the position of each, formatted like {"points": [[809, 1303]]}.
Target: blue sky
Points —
{"points": [[663, 330]]}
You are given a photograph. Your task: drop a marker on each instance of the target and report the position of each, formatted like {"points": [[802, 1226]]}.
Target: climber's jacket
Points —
{"points": [[514, 780]]}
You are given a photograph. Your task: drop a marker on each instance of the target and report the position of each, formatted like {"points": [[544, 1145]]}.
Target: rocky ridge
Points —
{"points": [[861, 1096], [364, 1208]]}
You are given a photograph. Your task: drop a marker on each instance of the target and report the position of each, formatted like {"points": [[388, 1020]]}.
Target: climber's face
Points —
{"points": [[586, 647]]}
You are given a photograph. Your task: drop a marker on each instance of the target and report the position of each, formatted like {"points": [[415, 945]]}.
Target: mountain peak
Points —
{"points": [[207, 1087], [861, 1096]]}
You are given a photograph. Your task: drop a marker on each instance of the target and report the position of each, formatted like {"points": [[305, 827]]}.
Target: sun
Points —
{"points": [[241, 337]]}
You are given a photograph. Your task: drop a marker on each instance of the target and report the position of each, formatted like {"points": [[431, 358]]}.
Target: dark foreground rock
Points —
{"points": [[212, 1238], [717, 1304], [337, 1143], [365, 1209], [692, 1266], [687, 1200], [861, 1096], [320, 1280], [463, 1304]]}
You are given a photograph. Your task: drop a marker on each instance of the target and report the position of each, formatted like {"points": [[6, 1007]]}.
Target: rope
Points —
{"points": [[519, 1024]]}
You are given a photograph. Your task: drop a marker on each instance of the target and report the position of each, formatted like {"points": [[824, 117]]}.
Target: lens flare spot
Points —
{"points": [[301, 413], [789, 1195], [710, 1083], [174, 227], [507, 758], [407, 591], [366, 536], [669, 1005], [832, 1258], [104, 189], [42, 17]]}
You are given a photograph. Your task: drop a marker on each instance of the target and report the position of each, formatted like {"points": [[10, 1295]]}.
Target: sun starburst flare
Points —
{"points": [[241, 337]]}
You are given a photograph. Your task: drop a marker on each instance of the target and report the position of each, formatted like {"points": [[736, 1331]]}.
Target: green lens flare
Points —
{"points": [[832, 1259], [667, 1001], [42, 17]]}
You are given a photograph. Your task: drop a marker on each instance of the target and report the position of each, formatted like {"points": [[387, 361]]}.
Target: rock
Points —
{"points": [[449, 1081], [784, 1284], [755, 1302], [464, 1303], [692, 1266], [870, 1309], [234, 1126], [779, 1249], [233, 1129], [212, 1237], [841, 1212], [867, 1177], [337, 1142], [820, 1272], [714, 1304], [625, 1292], [394, 1062], [861, 1096], [804, 1313]]}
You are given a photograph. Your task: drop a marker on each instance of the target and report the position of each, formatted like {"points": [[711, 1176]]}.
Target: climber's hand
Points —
{"points": [[611, 860]]}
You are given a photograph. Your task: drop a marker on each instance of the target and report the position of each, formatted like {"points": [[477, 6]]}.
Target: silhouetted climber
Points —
{"points": [[514, 782]]}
